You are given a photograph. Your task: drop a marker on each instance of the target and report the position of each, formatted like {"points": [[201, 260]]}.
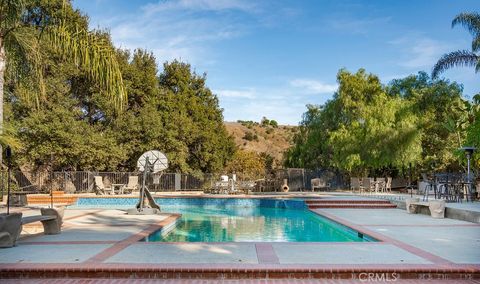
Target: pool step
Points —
{"points": [[46, 199], [346, 201], [351, 204]]}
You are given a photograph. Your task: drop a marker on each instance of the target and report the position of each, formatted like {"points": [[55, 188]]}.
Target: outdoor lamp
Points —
{"points": [[468, 151], [8, 156]]}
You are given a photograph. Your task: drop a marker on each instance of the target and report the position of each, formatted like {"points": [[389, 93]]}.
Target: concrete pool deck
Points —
{"points": [[105, 243]]}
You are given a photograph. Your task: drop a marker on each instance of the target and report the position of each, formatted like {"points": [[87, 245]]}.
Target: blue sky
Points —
{"points": [[271, 58]]}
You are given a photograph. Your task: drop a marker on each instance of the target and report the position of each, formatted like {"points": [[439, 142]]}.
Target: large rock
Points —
{"points": [[411, 208], [10, 229], [437, 208], [53, 227]]}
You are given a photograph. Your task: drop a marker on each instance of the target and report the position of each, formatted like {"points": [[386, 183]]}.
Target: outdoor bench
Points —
{"points": [[11, 225], [436, 207]]}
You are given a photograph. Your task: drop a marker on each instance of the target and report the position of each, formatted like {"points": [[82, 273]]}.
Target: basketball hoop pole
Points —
{"points": [[142, 191], [152, 161]]}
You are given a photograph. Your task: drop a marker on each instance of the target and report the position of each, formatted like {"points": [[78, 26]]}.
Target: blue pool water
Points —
{"points": [[238, 220]]}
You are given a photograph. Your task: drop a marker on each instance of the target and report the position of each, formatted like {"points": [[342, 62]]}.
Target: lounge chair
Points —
{"points": [[100, 187], [132, 184]]}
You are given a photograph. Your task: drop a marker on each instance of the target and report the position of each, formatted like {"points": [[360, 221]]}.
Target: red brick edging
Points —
{"points": [[257, 271]]}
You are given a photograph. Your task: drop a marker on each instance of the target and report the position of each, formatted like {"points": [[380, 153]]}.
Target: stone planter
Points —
{"points": [[10, 229], [408, 204], [437, 208]]}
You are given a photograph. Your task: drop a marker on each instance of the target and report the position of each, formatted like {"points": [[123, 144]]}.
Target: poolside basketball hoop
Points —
{"points": [[152, 161]]}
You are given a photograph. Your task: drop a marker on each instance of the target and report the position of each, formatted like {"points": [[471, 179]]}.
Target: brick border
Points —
{"points": [[214, 271], [266, 253]]}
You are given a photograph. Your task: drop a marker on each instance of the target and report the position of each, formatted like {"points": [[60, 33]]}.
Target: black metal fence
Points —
{"points": [[84, 181]]}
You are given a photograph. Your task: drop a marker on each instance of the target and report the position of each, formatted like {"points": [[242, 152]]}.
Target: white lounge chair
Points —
{"points": [[132, 184], [100, 187]]}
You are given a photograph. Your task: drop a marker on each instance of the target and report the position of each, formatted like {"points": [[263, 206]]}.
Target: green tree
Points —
{"points": [[175, 113], [247, 165], [24, 24], [361, 129], [443, 118], [377, 131], [471, 21]]}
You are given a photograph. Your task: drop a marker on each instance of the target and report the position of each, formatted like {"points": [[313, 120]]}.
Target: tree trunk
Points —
{"points": [[3, 61]]}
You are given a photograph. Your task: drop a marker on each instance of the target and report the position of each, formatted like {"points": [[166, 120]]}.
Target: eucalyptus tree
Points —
{"points": [[24, 24], [470, 21]]}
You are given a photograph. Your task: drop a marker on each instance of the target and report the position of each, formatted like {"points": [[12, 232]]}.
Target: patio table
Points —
{"points": [[120, 187]]}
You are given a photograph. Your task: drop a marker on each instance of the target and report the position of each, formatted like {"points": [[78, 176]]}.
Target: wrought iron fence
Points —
{"points": [[84, 181]]}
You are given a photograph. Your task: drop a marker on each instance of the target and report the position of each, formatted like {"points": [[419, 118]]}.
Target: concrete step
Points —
{"points": [[46, 199], [351, 206]]}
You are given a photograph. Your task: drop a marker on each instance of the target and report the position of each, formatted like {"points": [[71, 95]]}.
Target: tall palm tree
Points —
{"points": [[470, 21], [20, 50]]}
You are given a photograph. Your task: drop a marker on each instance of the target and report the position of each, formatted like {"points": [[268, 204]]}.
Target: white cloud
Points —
{"points": [[206, 5], [313, 86], [180, 29], [283, 103], [419, 52], [356, 26], [248, 94]]}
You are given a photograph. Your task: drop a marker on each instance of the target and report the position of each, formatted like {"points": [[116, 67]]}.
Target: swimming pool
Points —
{"points": [[238, 220]]}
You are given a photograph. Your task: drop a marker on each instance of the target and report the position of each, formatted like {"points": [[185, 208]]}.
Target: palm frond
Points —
{"points": [[476, 44], [470, 21], [10, 14], [26, 60], [95, 55], [457, 58], [8, 137]]}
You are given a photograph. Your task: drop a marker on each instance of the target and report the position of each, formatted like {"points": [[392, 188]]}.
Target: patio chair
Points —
{"points": [[368, 184], [388, 185], [381, 184], [100, 187], [132, 185], [430, 186], [355, 184], [221, 187], [319, 183]]}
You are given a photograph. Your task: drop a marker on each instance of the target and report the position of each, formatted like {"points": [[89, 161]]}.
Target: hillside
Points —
{"points": [[271, 140]]}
